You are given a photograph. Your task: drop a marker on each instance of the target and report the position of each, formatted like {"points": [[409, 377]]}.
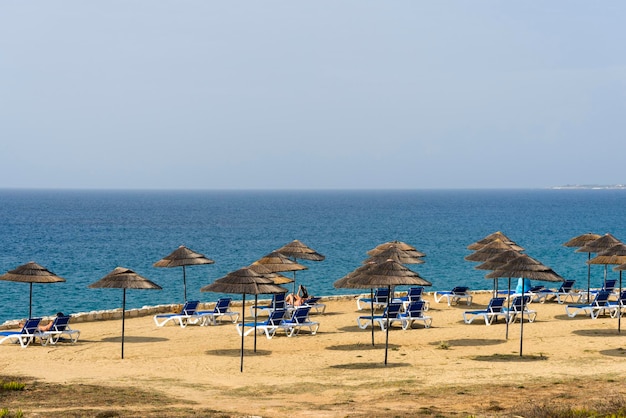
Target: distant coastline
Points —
{"points": [[591, 187]]}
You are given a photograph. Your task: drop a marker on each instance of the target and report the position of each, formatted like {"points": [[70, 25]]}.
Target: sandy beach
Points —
{"points": [[450, 369]]}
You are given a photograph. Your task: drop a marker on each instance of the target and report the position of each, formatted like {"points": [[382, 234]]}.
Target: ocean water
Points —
{"points": [[83, 235]]}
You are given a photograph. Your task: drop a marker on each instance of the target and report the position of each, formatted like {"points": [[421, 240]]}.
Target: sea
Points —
{"points": [[82, 235]]}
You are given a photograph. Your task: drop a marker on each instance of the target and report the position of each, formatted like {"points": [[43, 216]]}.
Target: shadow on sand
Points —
{"points": [[236, 352], [131, 339], [363, 366]]}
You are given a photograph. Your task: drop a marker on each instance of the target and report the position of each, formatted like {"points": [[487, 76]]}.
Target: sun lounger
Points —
{"points": [[299, 319], [609, 286], [393, 309], [564, 292], [380, 299], [494, 309], [187, 315], [515, 309], [269, 326], [414, 313], [315, 304], [220, 311], [277, 303], [599, 305], [414, 294], [60, 326], [25, 336], [454, 296], [617, 306]]}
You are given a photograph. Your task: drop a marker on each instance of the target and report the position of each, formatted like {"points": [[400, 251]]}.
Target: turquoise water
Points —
{"points": [[83, 235]]}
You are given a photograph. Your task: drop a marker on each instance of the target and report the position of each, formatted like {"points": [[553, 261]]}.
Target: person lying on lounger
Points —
{"points": [[298, 298], [42, 327]]}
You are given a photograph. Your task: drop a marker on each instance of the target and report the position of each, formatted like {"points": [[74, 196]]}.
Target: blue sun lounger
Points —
{"points": [[25, 336], [187, 315], [515, 309], [220, 311], [380, 299], [393, 309], [299, 319], [269, 326], [277, 303], [565, 291], [599, 305], [414, 313], [455, 295], [494, 309], [60, 326]]}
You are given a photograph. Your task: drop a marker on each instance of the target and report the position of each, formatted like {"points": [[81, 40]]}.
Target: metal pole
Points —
{"points": [[123, 315], [30, 304], [184, 284], [387, 320], [243, 315]]}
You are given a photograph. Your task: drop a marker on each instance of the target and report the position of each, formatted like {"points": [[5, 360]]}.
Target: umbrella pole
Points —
{"points": [[256, 313], [508, 309], [521, 334], [619, 306], [294, 282], [387, 327], [495, 288], [123, 315], [588, 278], [30, 304], [243, 315], [372, 309], [184, 284]]}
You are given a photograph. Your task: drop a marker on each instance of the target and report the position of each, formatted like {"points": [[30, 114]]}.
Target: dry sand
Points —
{"points": [[451, 368]]}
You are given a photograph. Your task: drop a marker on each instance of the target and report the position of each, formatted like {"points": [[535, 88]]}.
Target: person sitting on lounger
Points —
{"points": [[42, 327], [298, 298]]}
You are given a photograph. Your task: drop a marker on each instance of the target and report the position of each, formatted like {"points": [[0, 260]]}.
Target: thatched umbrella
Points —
{"points": [[269, 274], [407, 248], [581, 241], [497, 261], [603, 243], [490, 249], [30, 273], [389, 273], [123, 278], [496, 235], [181, 257], [244, 281], [297, 250], [395, 254], [614, 255], [277, 262], [529, 268]]}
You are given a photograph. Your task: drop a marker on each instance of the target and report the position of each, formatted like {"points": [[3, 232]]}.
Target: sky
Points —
{"points": [[202, 94]]}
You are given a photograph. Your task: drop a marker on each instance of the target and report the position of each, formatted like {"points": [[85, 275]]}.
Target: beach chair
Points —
{"points": [[25, 336], [515, 309], [454, 296], [617, 306], [60, 326], [414, 312], [609, 286], [565, 291], [599, 305], [187, 315], [299, 319], [277, 303], [380, 299], [220, 311], [414, 294], [494, 309], [315, 304], [393, 309], [269, 326]]}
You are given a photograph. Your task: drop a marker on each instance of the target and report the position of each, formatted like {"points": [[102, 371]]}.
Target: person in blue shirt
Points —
{"points": [[523, 285]]}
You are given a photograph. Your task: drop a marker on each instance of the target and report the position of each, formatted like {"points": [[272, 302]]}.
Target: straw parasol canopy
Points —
{"points": [[581, 240], [491, 237], [244, 281], [123, 278], [529, 268], [491, 249], [613, 255], [403, 246], [498, 260], [181, 257], [297, 250], [395, 254], [389, 273], [268, 274], [30, 273], [598, 245], [277, 262]]}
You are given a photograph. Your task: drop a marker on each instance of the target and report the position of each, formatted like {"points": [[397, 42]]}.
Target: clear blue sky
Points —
{"points": [[312, 95]]}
